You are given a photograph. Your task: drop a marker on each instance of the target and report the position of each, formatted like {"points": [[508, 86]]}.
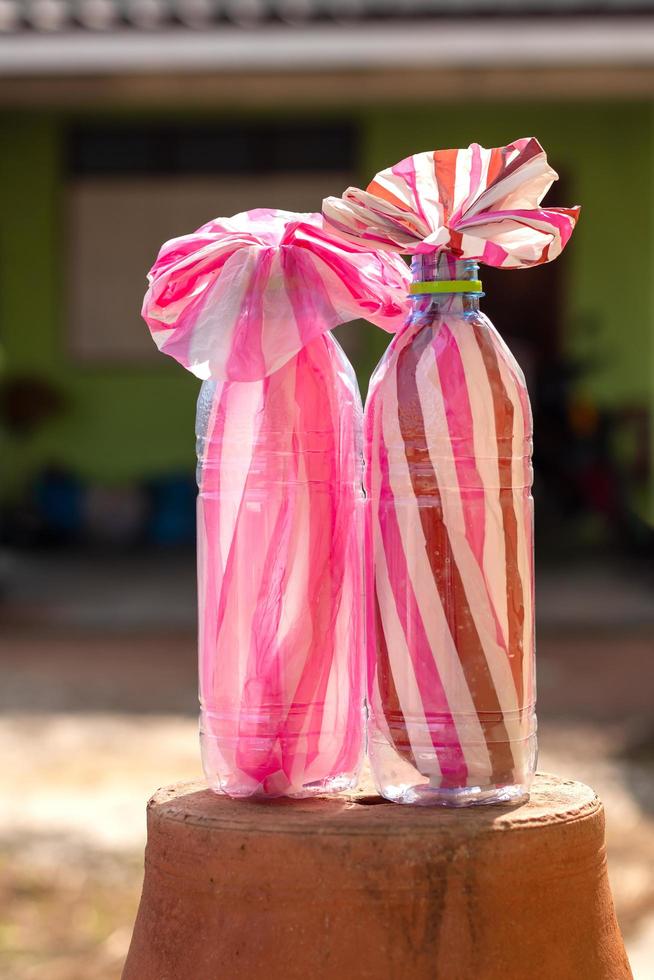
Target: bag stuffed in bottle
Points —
{"points": [[447, 442], [246, 303]]}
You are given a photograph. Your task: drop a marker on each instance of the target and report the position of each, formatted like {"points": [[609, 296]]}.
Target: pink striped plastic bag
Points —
{"points": [[447, 444], [247, 304]]}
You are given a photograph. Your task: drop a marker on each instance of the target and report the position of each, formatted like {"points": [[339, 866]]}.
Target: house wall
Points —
{"points": [[121, 422], [131, 421]]}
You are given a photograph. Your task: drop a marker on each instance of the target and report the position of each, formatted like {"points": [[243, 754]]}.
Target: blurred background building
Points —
{"points": [[126, 122]]}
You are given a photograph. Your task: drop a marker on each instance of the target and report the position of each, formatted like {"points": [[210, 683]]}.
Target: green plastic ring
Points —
{"points": [[447, 286]]}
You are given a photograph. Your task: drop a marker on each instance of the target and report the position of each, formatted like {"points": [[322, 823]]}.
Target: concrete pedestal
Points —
{"points": [[358, 888]]}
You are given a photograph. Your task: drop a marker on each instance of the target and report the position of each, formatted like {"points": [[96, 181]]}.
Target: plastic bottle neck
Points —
{"points": [[442, 283]]}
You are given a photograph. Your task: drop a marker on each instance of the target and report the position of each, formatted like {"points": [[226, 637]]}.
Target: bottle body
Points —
{"points": [[280, 578], [449, 529]]}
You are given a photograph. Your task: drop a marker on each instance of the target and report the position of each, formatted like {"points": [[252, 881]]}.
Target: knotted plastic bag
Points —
{"points": [[474, 203], [239, 297]]}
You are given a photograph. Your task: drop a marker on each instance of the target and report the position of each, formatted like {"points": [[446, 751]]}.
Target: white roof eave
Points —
{"points": [[508, 43]]}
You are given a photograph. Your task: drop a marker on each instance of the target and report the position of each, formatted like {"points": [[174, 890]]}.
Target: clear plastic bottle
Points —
{"points": [[447, 442], [280, 578]]}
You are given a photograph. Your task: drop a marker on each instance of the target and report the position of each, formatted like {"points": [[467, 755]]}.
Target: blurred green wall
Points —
{"points": [[121, 422], [127, 422]]}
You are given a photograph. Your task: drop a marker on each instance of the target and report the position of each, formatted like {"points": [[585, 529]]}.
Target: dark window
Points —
{"points": [[131, 149]]}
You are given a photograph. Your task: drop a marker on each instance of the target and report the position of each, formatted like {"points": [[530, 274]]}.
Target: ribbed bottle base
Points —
{"points": [[423, 794], [245, 789], [247, 769], [431, 770]]}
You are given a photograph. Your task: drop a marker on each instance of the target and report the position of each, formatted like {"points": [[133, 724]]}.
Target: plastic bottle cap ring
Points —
{"points": [[447, 286]]}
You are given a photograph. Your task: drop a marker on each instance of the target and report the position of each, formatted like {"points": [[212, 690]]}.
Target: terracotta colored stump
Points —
{"points": [[356, 888]]}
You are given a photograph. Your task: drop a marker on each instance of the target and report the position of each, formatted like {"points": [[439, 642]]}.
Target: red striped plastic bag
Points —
{"points": [[447, 441]]}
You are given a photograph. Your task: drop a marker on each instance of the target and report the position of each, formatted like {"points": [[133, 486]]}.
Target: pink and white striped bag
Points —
{"points": [[246, 303]]}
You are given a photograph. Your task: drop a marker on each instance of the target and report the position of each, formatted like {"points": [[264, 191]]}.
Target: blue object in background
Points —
{"points": [[59, 500], [172, 511]]}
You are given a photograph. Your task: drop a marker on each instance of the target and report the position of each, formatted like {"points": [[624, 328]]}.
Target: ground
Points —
{"points": [[99, 709]]}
